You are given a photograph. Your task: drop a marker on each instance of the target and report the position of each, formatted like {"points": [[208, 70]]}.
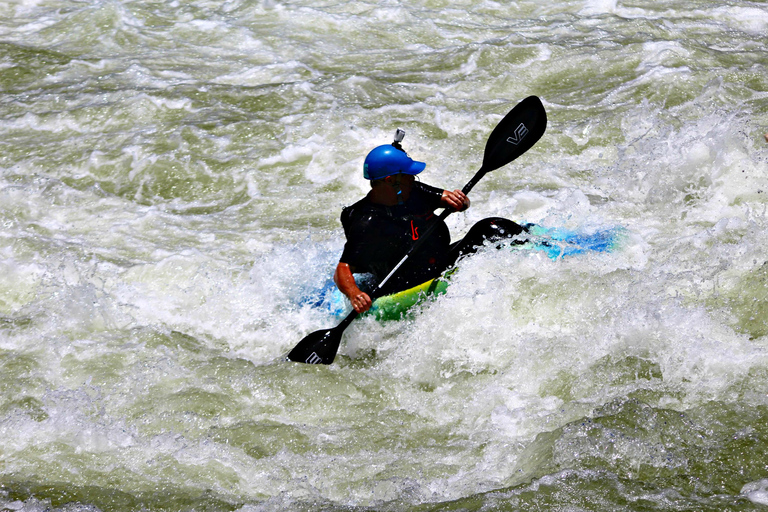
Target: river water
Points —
{"points": [[172, 178]]}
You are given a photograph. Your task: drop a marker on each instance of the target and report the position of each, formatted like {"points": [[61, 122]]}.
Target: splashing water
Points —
{"points": [[172, 178]]}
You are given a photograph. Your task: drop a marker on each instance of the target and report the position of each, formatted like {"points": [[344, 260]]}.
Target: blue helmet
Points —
{"points": [[387, 160]]}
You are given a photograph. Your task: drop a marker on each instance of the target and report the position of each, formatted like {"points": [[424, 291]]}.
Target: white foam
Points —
{"points": [[756, 492], [598, 7], [753, 20], [671, 54]]}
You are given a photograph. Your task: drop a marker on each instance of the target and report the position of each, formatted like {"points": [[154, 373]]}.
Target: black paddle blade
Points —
{"points": [[320, 347], [520, 129]]}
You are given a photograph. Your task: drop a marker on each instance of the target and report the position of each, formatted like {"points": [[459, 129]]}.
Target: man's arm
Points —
{"points": [[346, 282]]}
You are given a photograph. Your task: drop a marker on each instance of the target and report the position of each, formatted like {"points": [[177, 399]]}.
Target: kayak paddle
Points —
{"points": [[520, 129]]}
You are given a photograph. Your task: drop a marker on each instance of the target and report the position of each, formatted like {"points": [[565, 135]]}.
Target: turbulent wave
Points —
{"points": [[172, 178]]}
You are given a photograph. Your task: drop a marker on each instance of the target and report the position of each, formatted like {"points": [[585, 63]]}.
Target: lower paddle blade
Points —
{"points": [[320, 347]]}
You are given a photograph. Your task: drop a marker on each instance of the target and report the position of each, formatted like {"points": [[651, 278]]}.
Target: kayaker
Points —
{"points": [[381, 227]]}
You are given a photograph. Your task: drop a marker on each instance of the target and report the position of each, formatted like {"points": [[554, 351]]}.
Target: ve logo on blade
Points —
{"points": [[520, 133], [314, 358]]}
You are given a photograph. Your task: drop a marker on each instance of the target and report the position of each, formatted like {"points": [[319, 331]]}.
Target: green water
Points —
{"points": [[172, 175]]}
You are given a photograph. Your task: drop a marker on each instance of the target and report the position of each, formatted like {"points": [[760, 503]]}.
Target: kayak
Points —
{"points": [[556, 243]]}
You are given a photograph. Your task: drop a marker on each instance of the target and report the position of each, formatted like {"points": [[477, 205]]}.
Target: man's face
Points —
{"points": [[403, 182]]}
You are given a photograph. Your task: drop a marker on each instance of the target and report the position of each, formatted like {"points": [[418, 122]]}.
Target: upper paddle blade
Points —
{"points": [[520, 129], [320, 347]]}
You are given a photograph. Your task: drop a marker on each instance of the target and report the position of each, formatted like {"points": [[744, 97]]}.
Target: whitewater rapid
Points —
{"points": [[171, 179]]}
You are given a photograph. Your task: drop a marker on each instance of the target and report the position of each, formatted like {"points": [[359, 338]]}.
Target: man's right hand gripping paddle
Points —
{"points": [[520, 129]]}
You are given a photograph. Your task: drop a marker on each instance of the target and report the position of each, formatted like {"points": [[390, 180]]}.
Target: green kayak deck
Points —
{"points": [[396, 305]]}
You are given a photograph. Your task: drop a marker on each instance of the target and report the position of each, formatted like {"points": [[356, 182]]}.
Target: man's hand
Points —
{"points": [[457, 200], [361, 302], [346, 282]]}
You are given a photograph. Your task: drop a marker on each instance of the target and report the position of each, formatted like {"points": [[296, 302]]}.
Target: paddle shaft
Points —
{"points": [[335, 333]]}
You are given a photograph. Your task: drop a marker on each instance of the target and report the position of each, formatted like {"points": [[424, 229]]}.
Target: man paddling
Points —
{"points": [[381, 227], [515, 134]]}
